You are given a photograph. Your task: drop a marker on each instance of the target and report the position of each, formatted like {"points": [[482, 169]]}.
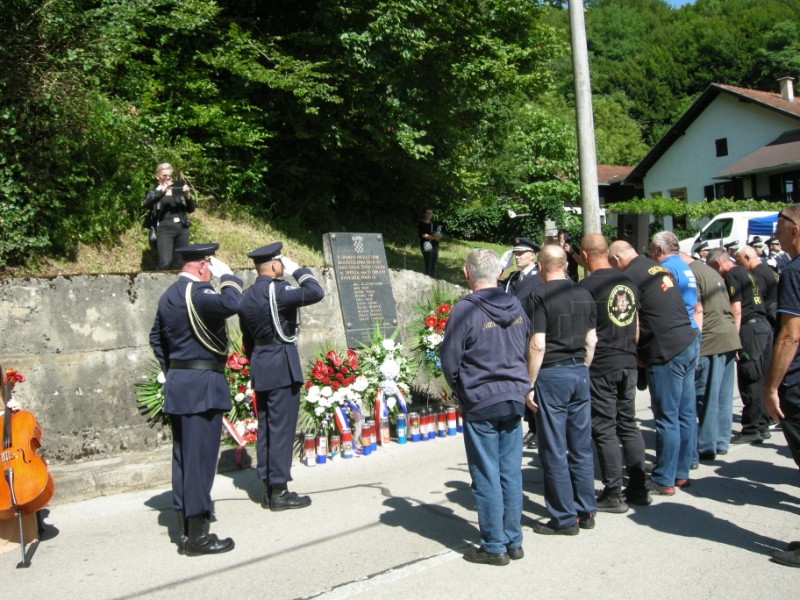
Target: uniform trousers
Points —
{"points": [[195, 450], [565, 442], [754, 358], [614, 423], [790, 424], [277, 423]]}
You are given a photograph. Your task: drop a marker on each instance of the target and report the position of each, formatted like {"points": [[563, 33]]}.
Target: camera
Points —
{"points": [[177, 192]]}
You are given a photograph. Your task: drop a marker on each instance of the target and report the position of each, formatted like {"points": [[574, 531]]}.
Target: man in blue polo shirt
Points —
{"points": [[782, 388], [669, 347]]}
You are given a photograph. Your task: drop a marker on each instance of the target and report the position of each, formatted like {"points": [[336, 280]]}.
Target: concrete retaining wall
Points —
{"points": [[82, 343]]}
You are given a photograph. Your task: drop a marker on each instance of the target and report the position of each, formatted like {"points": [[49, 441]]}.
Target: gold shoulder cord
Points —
{"points": [[206, 338]]}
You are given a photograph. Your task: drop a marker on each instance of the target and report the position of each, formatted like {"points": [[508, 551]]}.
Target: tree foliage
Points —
{"points": [[349, 114]]}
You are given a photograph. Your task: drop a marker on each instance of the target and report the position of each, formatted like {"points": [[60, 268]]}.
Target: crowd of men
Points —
{"points": [[567, 355], [686, 327]]}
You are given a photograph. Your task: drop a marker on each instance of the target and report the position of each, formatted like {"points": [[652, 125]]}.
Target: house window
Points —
{"points": [[722, 146], [679, 194]]}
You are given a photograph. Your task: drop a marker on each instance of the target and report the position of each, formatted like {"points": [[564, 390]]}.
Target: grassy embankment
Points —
{"points": [[131, 254]]}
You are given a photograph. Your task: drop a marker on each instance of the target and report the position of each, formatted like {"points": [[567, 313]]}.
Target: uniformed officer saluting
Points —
{"points": [[191, 345], [269, 323]]}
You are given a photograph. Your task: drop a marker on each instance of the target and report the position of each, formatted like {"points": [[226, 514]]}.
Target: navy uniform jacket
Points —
{"points": [[193, 391], [275, 365], [521, 289]]}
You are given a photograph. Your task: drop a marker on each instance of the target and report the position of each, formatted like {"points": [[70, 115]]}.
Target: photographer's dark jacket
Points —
{"points": [[163, 207]]}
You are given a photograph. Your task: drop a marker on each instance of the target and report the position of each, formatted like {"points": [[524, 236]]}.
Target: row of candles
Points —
{"points": [[427, 424]]}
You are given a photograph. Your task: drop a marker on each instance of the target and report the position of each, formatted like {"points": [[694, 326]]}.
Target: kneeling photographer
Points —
{"points": [[169, 202]]}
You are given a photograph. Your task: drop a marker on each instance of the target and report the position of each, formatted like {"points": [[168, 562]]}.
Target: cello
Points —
{"points": [[26, 485]]}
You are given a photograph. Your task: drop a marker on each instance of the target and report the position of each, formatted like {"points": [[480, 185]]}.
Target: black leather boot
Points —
{"points": [[182, 531], [202, 542], [285, 500]]}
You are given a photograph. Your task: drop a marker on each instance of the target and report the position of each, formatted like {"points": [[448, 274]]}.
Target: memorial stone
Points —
{"points": [[362, 278]]}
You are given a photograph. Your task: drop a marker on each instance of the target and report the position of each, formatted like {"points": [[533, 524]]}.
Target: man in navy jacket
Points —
{"points": [[483, 360], [190, 343], [270, 324]]}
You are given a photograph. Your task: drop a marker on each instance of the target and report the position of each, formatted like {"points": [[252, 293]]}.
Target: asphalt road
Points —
{"points": [[397, 522]]}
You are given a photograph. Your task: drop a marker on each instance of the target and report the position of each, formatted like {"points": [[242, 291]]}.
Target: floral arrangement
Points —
{"points": [[389, 374], [429, 328], [332, 397], [241, 417]]}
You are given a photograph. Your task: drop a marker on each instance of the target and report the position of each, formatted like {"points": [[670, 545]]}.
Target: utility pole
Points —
{"points": [[587, 156]]}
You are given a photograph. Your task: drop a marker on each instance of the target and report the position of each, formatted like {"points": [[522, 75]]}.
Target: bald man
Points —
{"points": [[561, 348], [767, 280], [669, 347], [613, 377]]}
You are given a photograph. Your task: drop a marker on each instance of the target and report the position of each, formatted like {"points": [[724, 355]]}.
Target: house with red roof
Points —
{"points": [[612, 184], [731, 143]]}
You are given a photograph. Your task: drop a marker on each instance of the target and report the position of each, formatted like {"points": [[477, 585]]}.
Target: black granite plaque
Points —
{"points": [[365, 289]]}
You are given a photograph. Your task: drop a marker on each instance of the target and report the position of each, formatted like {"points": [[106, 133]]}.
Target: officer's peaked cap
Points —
{"points": [[194, 252], [522, 244], [266, 253]]}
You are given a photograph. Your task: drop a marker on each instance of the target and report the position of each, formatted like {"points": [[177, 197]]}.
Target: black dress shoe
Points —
{"points": [[550, 528], [481, 557], [516, 553], [286, 500]]}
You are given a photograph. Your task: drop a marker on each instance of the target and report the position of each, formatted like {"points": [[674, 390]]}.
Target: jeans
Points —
{"points": [[565, 442], [714, 390], [674, 408], [614, 423], [494, 456]]}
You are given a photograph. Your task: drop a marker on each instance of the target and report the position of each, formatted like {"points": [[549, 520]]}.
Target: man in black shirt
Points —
{"points": [[669, 347], [782, 388], [766, 279], [560, 350], [755, 334], [613, 379]]}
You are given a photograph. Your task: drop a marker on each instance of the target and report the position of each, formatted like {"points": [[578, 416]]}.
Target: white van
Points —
{"points": [[731, 227]]}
